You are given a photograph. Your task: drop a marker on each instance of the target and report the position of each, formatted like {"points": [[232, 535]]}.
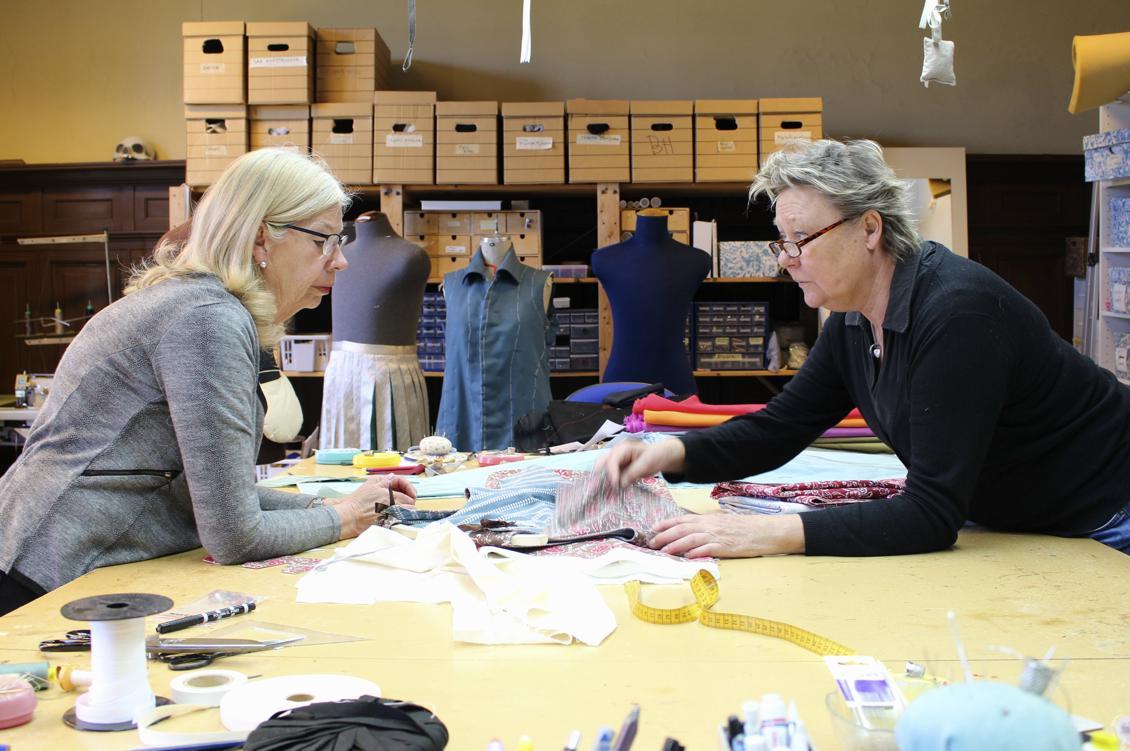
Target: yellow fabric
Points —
{"points": [[1102, 70]]}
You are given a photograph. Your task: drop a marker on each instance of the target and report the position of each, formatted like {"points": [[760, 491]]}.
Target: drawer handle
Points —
{"points": [[344, 48], [598, 128], [343, 125], [215, 126], [725, 123], [533, 128], [662, 126], [212, 47], [791, 124], [281, 131], [278, 47], [465, 127]]}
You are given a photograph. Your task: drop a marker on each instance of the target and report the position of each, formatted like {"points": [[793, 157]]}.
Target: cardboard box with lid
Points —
{"points": [[466, 142], [343, 136], [352, 63], [214, 62], [784, 120], [280, 63], [281, 125], [216, 135], [533, 142], [725, 140], [404, 137], [662, 141], [599, 140]]}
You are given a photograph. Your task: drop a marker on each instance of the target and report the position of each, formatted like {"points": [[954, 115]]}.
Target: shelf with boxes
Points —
{"points": [[1108, 163]]}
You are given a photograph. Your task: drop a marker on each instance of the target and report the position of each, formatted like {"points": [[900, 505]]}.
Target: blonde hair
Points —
{"points": [[854, 177], [275, 187]]}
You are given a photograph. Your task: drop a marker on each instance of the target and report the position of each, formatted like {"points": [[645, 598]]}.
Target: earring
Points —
{"points": [[263, 264]]}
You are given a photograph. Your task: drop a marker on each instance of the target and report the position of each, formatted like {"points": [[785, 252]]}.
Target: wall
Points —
{"points": [[76, 76]]}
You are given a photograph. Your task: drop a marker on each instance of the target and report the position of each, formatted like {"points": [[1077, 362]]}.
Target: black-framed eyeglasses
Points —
{"points": [[792, 249], [332, 242]]}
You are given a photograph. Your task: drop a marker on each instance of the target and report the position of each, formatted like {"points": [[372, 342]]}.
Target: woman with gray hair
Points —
{"points": [[998, 420], [146, 444]]}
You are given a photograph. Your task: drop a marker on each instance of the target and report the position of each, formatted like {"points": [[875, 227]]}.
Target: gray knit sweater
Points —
{"points": [[146, 445]]}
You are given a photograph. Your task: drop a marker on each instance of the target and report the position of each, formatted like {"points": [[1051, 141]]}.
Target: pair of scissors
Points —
{"points": [[77, 640], [197, 652]]}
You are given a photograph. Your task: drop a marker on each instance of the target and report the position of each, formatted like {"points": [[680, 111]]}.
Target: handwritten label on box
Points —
{"points": [[533, 143], [289, 61], [340, 138], [787, 136], [455, 250], [488, 224], [216, 150], [726, 147], [590, 139], [404, 140], [212, 67], [466, 149]]}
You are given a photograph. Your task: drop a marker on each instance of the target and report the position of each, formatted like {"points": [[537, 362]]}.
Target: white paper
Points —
{"points": [[340, 138], [212, 67], [533, 143], [290, 61], [591, 139], [607, 430], [404, 140], [787, 136], [466, 149]]}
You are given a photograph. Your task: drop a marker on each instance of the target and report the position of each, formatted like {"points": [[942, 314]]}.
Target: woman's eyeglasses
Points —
{"points": [[332, 242], [792, 249]]}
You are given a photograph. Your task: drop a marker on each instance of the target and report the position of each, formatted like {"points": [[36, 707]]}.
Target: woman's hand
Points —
{"points": [[729, 535], [633, 460], [359, 509]]}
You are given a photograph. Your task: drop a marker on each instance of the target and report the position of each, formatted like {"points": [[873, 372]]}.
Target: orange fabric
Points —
{"points": [[682, 419], [848, 422]]}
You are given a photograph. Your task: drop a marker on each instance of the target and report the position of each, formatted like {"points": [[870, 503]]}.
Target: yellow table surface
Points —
{"points": [[1024, 592]]}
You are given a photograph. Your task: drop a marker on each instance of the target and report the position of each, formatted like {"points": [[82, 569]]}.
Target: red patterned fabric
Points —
{"points": [[816, 493]]}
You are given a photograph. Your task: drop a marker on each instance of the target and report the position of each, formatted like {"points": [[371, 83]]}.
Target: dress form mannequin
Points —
{"points": [[650, 280], [374, 395], [497, 344]]}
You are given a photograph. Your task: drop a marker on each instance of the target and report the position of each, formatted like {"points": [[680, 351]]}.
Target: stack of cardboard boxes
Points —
{"points": [[215, 96], [451, 237]]}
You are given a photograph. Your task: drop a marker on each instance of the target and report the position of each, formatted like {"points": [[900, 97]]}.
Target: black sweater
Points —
{"points": [[997, 419]]}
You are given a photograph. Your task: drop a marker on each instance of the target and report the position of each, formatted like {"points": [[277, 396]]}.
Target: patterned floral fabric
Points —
{"points": [[818, 493]]}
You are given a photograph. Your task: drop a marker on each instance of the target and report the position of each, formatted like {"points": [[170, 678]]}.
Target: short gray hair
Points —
{"points": [[854, 177]]}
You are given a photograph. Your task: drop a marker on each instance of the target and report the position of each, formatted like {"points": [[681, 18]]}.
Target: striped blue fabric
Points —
{"points": [[526, 500]]}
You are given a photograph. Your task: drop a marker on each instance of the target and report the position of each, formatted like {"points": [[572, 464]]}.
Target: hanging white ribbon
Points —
{"points": [[527, 45]]}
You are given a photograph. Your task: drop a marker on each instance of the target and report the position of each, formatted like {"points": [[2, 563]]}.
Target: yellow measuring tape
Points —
{"points": [[705, 588]]}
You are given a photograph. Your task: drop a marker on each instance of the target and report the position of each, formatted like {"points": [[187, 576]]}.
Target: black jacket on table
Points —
{"points": [[998, 420]]}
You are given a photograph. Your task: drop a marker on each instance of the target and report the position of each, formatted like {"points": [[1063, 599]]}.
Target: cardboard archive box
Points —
{"points": [[725, 137], [466, 142], [216, 136], [662, 141], [351, 65], [215, 69], [283, 125], [404, 144], [784, 120], [533, 142], [343, 136], [280, 63], [599, 140]]}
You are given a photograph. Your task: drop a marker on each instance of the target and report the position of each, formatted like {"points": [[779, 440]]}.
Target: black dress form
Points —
{"points": [[650, 280], [377, 300]]}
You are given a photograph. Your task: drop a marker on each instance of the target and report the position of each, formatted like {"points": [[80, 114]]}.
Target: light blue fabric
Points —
{"points": [[497, 338], [527, 500]]}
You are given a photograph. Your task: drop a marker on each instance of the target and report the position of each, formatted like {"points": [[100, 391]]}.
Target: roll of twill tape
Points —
{"points": [[205, 687], [246, 706]]}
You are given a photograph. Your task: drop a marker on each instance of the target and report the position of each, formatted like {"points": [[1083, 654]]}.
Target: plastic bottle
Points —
{"points": [[774, 721]]}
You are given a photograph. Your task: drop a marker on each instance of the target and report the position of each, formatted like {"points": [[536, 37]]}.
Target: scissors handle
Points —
{"points": [[190, 661]]}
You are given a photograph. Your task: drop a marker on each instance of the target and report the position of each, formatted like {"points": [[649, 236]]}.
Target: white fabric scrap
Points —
{"points": [[512, 599]]}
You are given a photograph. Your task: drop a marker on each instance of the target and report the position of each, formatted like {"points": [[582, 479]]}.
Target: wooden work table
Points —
{"points": [[1024, 592]]}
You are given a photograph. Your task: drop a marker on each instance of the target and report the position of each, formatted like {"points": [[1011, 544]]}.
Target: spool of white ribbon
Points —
{"points": [[120, 689], [152, 737], [246, 706], [205, 687]]}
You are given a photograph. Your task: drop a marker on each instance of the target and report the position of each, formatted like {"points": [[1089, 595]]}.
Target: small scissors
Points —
{"points": [[191, 660], [77, 640]]}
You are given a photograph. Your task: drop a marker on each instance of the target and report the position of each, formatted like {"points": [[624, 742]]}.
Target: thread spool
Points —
{"points": [[71, 678], [119, 689], [38, 674]]}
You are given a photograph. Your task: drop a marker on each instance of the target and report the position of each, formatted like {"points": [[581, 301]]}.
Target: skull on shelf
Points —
{"points": [[133, 148]]}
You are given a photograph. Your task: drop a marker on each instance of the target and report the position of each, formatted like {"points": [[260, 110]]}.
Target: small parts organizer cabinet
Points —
{"points": [[451, 237], [1108, 163]]}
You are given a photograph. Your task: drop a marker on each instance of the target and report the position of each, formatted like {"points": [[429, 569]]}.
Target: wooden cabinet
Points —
{"points": [[129, 201]]}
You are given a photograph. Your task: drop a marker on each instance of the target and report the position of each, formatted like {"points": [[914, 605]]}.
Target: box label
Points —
{"points": [[404, 140], [591, 139], [533, 143], [339, 138], [212, 68], [290, 61], [488, 224], [786, 136], [456, 250], [466, 149], [1118, 298], [216, 150], [726, 147]]}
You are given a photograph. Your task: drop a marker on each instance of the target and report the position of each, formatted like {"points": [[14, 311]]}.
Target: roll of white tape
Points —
{"points": [[244, 707], [206, 687], [151, 737]]}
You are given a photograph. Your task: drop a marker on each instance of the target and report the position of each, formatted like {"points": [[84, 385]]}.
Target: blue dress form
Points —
{"points": [[650, 280], [497, 350]]}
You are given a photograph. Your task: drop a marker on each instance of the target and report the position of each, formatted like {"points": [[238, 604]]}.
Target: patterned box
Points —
{"points": [[747, 258], [1120, 222], [1107, 155], [1122, 357], [1118, 289]]}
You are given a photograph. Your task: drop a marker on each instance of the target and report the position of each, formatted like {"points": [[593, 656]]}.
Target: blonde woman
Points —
{"points": [[146, 444]]}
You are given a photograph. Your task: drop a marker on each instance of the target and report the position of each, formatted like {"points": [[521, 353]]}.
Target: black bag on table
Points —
{"points": [[563, 422], [365, 724]]}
